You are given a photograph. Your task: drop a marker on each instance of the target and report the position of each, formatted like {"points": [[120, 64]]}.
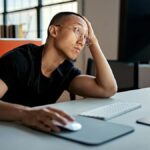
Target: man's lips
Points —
{"points": [[77, 49]]}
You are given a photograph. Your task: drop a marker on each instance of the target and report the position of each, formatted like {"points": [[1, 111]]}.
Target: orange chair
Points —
{"points": [[9, 44]]}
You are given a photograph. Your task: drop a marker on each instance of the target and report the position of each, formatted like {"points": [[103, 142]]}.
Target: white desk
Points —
{"points": [[17, 137]]}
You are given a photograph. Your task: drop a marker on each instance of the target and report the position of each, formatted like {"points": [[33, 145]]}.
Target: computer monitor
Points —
{"points": [[134, 34]]}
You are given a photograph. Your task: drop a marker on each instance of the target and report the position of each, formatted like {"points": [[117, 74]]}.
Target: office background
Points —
{"points": [[104, 15]]}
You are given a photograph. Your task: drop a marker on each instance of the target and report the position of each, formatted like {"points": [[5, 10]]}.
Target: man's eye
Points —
{"points": [[86, 37], [76, 29]]}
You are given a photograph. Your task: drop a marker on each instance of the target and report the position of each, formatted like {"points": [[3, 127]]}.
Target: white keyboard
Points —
{"points": [[112, 110]]}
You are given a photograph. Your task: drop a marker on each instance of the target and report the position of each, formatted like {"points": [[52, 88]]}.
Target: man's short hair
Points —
{"points": [[57, 18]]}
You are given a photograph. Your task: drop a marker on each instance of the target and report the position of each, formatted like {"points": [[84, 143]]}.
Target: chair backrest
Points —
{"points": [[123, 72], [9, 44], [90, 67]]}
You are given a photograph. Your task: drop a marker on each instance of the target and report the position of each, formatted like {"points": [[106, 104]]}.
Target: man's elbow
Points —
{"points": [[110, 91]]}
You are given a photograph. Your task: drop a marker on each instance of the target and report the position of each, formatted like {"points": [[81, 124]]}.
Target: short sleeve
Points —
{"points": [[71, 75], [10, 68]]}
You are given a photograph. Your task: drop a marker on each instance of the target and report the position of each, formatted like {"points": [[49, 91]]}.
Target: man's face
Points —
{"points": [[72, 35]]}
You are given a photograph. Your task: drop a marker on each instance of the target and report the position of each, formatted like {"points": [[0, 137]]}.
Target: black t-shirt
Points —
{"points": [[20, 70]]}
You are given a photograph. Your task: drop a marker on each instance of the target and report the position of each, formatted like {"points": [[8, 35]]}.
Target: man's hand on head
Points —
{"points": [[91, 35]]}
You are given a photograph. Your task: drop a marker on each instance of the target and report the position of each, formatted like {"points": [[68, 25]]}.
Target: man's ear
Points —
{"points": [[53, 31]]}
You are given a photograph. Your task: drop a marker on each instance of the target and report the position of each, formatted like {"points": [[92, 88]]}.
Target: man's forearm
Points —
{"points": [[11, 112], [104, 75]]}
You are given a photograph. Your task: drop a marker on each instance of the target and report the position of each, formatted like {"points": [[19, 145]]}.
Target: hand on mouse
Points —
{"points": [[42, 118]]}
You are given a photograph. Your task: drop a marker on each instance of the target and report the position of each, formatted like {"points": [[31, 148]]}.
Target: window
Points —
{"points": [[28, 21], [33, 15], [20, 4], [49, 11], [1, 19], [1, 11], [45, 2], [1, 4]]}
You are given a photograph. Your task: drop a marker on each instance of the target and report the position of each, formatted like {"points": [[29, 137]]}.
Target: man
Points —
{"points": [[32, 75]]}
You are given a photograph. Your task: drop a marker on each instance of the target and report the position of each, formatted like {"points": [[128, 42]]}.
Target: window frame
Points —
{"points": [[38, 9]]}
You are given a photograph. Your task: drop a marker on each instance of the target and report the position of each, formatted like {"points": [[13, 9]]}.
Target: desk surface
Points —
{"points": [[17, 137]]}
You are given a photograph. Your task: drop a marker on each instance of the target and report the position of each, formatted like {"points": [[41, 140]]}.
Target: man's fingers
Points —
{"points": [[51, 125], [42, 127], [42, 119], [46, 126], [59, 114]]}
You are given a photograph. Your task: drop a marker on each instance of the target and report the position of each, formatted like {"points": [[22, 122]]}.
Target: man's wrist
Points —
{"points": [[22, 112], [93, 42]]}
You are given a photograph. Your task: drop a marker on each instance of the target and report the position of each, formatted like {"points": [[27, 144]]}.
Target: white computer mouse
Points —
{"points": [[72, 126]]}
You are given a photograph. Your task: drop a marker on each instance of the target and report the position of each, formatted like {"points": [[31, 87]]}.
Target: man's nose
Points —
{"points": [[82, 39]]}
